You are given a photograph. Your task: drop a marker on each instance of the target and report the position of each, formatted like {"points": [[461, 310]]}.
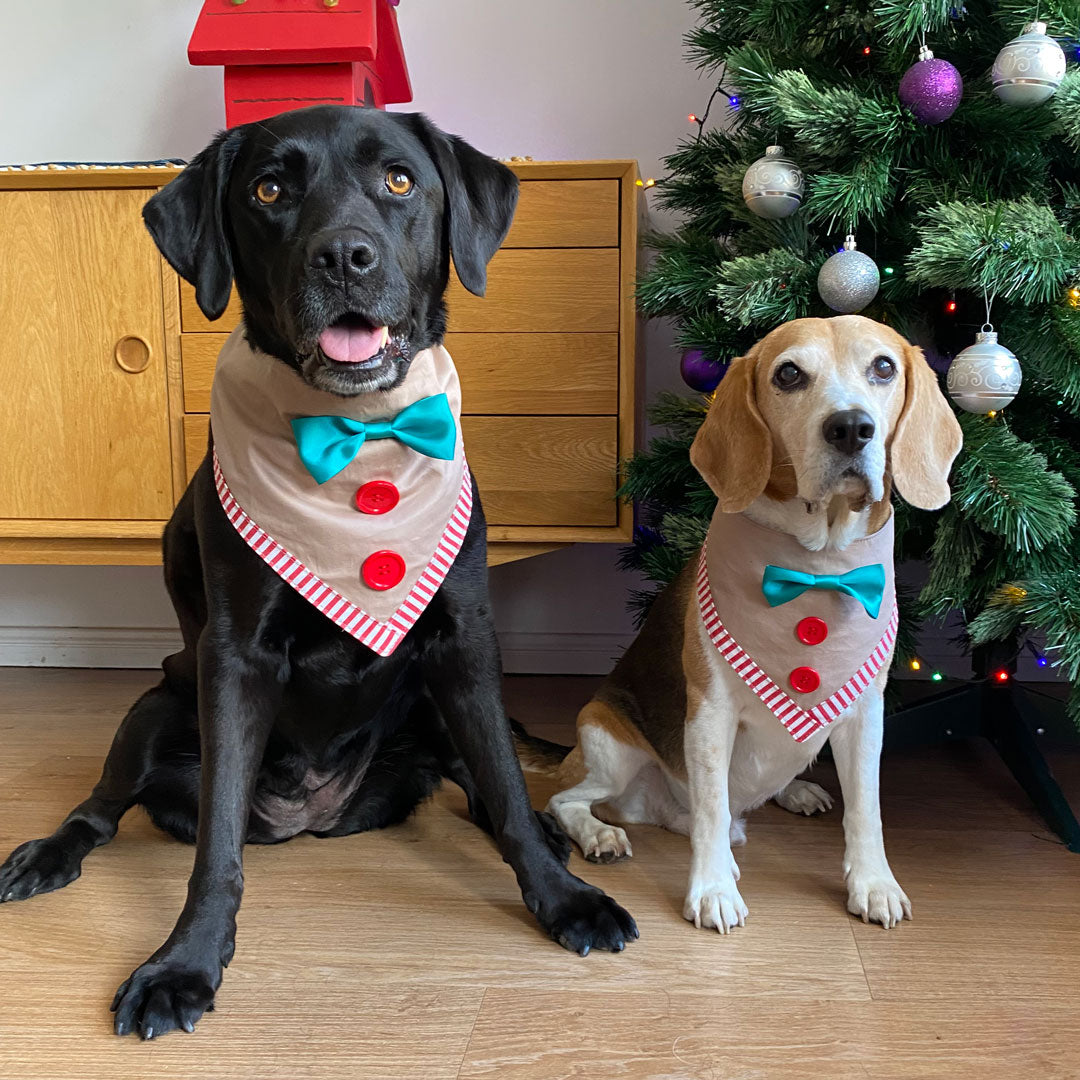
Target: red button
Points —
{"points": [[383, 570], [811, 630], [376, 497], [805, 680]]}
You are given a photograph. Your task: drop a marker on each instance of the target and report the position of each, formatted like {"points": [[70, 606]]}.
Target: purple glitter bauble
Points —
{"points": [[931, 90], [699, 372]]}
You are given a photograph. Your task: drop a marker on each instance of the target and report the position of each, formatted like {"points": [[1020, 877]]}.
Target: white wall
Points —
{"points": [[557, 79]]}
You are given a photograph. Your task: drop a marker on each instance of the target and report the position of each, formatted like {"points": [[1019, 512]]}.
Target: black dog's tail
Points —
{"points": [[535, 754]]}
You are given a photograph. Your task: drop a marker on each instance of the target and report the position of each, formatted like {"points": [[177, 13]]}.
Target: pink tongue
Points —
{"points": [[350, 345]]}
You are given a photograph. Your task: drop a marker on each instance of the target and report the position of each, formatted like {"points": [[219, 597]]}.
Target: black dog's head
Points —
{"points": [[337, 224]]}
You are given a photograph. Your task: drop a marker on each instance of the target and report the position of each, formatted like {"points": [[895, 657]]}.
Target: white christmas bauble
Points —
{"points": [[985, 376], [773, 185], [849, 280], [1029, 69]]}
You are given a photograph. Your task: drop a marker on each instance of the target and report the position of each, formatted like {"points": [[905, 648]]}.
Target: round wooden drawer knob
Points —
{"points": [[132, 354]]}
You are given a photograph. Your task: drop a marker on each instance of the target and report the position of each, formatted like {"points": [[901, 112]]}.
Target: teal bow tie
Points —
{"points": [[327, 444], [865, 583]]}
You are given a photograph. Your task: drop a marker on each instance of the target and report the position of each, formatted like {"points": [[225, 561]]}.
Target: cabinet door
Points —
{"points": [[84, 427]]}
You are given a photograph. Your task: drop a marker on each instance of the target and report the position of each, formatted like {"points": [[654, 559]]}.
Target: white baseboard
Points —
{"points": [[144, 647], [559, 653], [86, 646]]}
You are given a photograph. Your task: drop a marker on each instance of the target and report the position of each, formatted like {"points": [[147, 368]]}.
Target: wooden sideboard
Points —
{"points": [[106, 364]]}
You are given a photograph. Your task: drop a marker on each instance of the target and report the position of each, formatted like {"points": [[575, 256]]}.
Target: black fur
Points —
{"points": [[267, 693]]}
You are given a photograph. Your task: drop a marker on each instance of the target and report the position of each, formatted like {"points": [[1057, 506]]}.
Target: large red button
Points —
{"points": [[811, 630], [383, 570], [805, 680], [376, 497]]}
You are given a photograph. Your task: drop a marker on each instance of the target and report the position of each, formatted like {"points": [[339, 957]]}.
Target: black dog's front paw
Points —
{"points": [[584, 918], [163, 996], [38, 866]]}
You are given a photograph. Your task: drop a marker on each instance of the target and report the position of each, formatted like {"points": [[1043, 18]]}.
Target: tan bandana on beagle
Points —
{"points": [[370, 545], [808, 657]]}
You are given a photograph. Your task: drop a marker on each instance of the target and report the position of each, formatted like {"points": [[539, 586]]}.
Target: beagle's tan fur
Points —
{"points": [[674, 737]]}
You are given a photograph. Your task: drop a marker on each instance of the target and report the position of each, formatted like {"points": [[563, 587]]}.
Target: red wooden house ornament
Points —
{"points": [[288, 54]]}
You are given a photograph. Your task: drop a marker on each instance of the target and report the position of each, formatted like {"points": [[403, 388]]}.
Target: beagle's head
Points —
{"points": [[821, 408]]}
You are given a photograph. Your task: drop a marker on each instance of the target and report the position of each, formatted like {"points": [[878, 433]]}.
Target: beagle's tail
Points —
{"points": [[535, 754]]}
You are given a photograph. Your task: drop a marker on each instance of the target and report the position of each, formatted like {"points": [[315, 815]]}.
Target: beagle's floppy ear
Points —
{"points": [[733, 448], [186, 218], [927, 439]]}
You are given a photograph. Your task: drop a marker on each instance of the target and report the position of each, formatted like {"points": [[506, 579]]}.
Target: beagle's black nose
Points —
{"points": [[849, 431]]}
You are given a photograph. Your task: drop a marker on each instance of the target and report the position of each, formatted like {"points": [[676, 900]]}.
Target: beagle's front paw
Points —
{"points": [[715, 905], [877, 897]]}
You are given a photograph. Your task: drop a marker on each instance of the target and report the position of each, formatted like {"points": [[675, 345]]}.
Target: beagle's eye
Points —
{"points": [[399, 182], [268, 191], [789, 376], [883, 369]]}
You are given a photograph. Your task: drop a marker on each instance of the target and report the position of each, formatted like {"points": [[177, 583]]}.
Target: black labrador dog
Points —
{"points": [[304, 212]]}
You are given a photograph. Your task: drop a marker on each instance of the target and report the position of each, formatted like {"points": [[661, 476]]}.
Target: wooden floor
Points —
{"points": [[408, 954]]}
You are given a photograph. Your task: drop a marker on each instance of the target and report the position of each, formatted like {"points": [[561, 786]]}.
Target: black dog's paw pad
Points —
{"points": [[38, 866], [160, 998], [560, 844], [589, 919]]}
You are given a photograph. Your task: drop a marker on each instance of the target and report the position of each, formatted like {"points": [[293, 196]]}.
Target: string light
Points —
{"points": [[692, 118], [1040, 659], [950, 306], [645, 183], [1002, 676], [937, 676], [889, 270], [866, 51], [915, 664], [733, 101], [992, 413]]}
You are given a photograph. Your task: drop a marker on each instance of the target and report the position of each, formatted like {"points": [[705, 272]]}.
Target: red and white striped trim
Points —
{"points": [[802, 723], [381, 637]]}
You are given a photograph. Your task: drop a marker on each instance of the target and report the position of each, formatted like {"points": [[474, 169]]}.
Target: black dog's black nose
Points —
{"points": [[344, 252], [849, 431]]}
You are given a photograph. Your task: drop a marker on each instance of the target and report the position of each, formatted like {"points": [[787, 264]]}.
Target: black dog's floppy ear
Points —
{"points": [[481, 195], [187, 221]]}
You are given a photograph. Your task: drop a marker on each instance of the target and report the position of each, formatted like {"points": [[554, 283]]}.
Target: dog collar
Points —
{"points": [[810, 655], [370, 545]]}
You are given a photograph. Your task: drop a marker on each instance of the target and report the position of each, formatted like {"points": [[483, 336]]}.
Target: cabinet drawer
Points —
{"points": [[532, 470], [514, 374], [196, 433], [535, 290], [566, 213], [544, 470], [530, 290]]}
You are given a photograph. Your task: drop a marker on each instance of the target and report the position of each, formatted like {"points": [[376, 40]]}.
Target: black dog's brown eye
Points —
{"points": [[399, 182], [268, 191], [883, 368], [789, 376]]}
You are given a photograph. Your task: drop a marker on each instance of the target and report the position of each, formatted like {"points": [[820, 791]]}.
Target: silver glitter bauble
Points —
{"points": [[773, 185], [1029, 68], [985, 376], [849, 280]]}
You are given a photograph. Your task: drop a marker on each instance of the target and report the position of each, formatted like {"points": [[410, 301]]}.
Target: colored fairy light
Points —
{"points": [[692, 118], [915, 665], [645, 183], [950, 307], [866, 51], [1002, 675], [937, 676], [889, 270], [733, 101]]}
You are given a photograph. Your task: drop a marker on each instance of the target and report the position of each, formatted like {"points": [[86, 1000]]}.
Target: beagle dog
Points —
{"points": [[778, 637]]}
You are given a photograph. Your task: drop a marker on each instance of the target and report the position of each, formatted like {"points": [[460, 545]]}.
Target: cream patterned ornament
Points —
{"points": [[849, 280], [1029, 69], [984, 377], [773, 185]]}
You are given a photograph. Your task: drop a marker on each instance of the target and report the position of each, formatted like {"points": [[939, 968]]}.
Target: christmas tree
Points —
{"points": [[968, 207]]}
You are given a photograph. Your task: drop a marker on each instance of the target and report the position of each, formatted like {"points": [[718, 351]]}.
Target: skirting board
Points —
{"points": [[144, 647]]}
